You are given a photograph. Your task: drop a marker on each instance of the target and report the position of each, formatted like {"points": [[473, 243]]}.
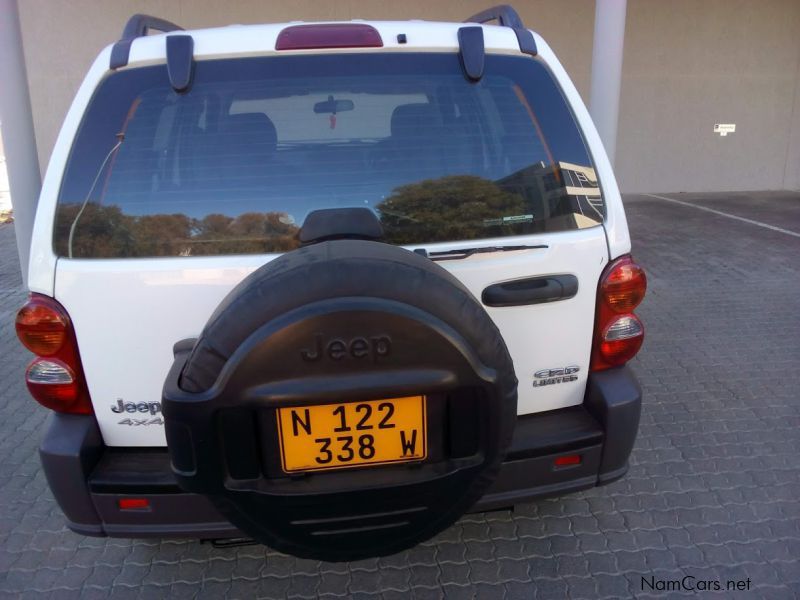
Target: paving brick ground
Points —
{"points": [[712, 492]]}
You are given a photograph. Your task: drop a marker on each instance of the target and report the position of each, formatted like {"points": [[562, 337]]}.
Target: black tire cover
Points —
{"points": [[327, 272]]}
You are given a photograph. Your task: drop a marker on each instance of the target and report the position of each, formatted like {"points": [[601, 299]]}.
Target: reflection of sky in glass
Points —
{"points": [[415, 117]]}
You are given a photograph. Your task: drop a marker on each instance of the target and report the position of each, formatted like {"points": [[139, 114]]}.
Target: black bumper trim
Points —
{"points": [[221, 529], [87, 479], [88, 530], [69, 452], [553, 431], [612, 476], [614, 398], [139, 471], [501, 500]]}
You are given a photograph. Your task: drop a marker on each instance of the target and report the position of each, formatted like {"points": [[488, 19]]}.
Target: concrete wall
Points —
{"points": [[688, 64]]}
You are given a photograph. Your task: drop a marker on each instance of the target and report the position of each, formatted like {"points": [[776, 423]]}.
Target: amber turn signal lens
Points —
{"points": [[624, 286], [41, 328]]}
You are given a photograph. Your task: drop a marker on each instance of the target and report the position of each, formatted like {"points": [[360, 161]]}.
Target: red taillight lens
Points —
{"points": [[622, 339], [52, 383], [334, 35], [55, 379], [618, 332]]}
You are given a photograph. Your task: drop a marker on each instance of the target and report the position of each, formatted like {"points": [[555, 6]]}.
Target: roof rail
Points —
{"points": [[502, 13], [137, 26], [506, 16]]}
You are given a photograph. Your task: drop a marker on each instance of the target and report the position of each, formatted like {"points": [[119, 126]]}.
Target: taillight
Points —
{"points": [[55, 378], [618, 333], [328, 35], [624, 285], [41, 329]]}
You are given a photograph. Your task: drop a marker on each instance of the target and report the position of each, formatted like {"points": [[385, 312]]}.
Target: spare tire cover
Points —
{"points": [[441, 336]]}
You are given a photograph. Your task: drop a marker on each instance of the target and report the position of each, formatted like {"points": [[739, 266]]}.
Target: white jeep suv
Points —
{"points": [[328, 285]]}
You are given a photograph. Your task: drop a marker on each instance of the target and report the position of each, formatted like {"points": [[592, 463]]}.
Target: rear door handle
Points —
{"points": [[532, 290]]}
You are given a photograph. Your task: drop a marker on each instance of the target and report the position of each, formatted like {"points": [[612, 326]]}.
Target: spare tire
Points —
{"points": [[337, 322]]}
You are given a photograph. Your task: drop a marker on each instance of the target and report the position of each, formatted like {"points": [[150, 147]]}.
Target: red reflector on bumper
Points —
{"points": [[134, 503], [567, 460]]}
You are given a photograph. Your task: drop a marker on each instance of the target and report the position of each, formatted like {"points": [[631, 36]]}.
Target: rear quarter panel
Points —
{"points": [[615, 225]]}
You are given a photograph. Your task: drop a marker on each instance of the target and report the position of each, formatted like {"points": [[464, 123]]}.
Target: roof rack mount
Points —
{"points": [[471, 51], [137, 26], [506, 16]]}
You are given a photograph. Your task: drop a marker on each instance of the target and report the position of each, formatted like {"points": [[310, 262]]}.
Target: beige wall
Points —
{"points": [[792, 168], [5, 196], [692, 63], [688, 64], [62, 38]]}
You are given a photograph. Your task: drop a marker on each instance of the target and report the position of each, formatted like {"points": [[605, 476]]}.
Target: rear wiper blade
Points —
{"points": [[462, 253]]}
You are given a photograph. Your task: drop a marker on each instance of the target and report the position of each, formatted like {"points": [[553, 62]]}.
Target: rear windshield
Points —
{"points": [[235, 165]]}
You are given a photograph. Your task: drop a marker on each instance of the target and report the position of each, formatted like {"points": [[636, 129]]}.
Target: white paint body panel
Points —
{"points": [[128, 313]]}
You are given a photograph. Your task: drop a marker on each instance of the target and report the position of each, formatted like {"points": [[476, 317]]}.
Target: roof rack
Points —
{"points": [[506, 16], [137, 26]]}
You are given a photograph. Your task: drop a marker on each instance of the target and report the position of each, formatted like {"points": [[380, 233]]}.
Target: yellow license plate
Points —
{"points": [[352, 434]]}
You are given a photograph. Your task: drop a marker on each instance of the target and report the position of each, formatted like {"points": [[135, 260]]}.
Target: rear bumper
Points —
{"points": [[88, 479]]}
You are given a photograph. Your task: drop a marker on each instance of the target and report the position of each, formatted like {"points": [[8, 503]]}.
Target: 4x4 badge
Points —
{"points": [[554, 376]]}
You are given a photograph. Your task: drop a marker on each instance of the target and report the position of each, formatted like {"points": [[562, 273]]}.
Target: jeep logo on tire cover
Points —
{"points": [[374, 347]]}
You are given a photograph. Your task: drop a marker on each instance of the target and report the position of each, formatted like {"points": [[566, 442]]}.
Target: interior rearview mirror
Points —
{"points": [[333, 106]]}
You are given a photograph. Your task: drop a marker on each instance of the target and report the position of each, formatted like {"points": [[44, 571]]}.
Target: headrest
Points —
{"points": [[414, 120], [254, 130]]}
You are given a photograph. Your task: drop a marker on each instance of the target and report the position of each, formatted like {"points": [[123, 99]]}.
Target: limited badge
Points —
{"points": [[554, 376]]}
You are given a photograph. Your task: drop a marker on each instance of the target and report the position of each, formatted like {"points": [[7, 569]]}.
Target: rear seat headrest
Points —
{"points": [[413, 120], [254, 130]]}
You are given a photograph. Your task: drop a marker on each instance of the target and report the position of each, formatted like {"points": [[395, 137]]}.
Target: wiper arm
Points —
{"points": [[398, 215], [462, 253]]}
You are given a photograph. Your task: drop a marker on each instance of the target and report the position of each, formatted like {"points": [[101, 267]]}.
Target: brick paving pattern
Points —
{"points": [[712, 491]]}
